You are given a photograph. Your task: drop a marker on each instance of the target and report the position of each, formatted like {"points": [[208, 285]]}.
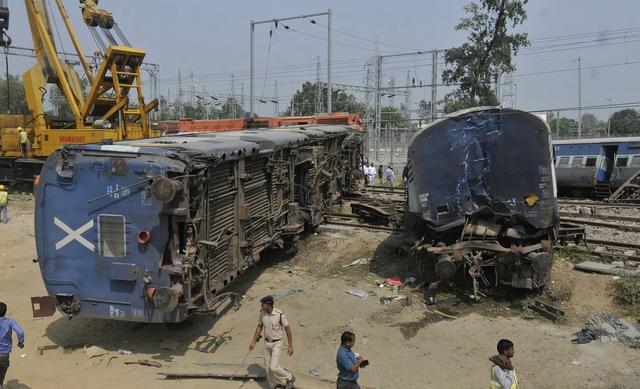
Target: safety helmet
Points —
{"points": [[1, 187], [20, 129]]}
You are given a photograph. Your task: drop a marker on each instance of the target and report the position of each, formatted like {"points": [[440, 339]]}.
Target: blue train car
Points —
{"points": [[595, 167], [482, 198], [153, 230]]}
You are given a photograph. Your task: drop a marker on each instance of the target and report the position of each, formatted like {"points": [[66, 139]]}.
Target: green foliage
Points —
{"points": [[303, 102], [424, 110], [392, 117], [625, 122], [566, 126], [627, 290], [18, 100], [488, 51]]}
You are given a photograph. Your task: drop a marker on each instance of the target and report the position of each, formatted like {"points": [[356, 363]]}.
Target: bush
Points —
{"points": [[628, 290]]}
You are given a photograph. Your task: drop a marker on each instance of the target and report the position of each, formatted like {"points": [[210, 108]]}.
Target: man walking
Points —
{"points": [[371, 175], [6, 340], [390, 176], [348, 363], [503, 374], [273, 321], [4, 203], [380, 173]]}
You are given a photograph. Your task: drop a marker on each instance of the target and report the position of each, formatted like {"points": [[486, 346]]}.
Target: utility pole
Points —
{"points": [[252, 25], [609, 121], [434, 82], [378, 107], [275, 99], [318, 102], [407, 97], [579, 99], [558, 124], [329, 90], [179, 98], [242, 99], [232, 100]]}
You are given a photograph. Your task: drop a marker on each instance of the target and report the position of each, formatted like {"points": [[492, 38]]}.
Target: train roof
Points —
{"points": [[621, 139], [229, 144]]}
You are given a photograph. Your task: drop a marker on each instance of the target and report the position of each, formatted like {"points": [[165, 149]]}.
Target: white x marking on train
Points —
{"points": [[73, 234]]}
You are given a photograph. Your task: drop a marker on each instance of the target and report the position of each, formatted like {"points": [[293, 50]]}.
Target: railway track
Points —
{"points": [[623, 227], [353, 221], [596, 204], [602, 217]]}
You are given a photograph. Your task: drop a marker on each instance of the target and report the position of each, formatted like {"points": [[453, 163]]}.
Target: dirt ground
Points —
{"points": [[407, 346]]}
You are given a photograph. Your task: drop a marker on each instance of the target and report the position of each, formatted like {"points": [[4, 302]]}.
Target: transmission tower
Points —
{"points": [[508, 91], [407, 96], [318, 97]]}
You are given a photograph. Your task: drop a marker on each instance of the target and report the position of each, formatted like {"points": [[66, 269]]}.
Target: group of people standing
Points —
{"points": [[385, 177], [274, 325]]}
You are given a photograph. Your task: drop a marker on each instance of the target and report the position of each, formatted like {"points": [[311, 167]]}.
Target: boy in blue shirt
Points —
{"points": [[6, 341], [348, 363]]}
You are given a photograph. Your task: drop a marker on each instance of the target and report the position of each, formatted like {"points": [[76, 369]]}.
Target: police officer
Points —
{"points": [[273, 321], [4, 203], [24, 141]]}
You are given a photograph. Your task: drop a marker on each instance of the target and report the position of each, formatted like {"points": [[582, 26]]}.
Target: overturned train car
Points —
{"points": [[153, 230], [482, 198]]}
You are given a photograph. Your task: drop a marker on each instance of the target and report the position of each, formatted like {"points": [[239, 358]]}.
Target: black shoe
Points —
{"points": [[290, 382]]}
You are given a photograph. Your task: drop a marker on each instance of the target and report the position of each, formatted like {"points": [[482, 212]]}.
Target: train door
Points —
{"points": [[605, 168]]}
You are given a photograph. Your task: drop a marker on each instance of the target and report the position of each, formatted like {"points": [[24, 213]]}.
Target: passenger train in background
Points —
{"points": [[595, 167]]}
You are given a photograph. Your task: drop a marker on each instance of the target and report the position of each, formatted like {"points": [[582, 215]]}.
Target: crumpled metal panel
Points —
{"points": [[489, 161]]}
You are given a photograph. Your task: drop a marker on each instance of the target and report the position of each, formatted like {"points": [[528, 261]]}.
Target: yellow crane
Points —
{"points": [[113, 108]]}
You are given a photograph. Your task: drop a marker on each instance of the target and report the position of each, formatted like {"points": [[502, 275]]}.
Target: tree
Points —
{"points": [[303, 102], [18, 100], [566, 126], [392, 117], [488, 51], [59, 102], [625, 122], [424, 110]]}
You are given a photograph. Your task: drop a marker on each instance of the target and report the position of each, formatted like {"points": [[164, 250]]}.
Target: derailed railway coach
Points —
{"points": [[154, 230], [482, 198]]}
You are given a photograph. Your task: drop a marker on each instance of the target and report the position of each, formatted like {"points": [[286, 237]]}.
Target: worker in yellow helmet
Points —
{"points": [[24, 141], [4, 202]]}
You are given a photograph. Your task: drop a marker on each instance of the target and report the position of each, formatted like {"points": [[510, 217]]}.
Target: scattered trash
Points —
{"points": [[95, 351], [287, 292], [361, 261], [380, 285], [576, 363], [167, 344], [315, 371], [546, 310], [124, 352], [607, 329], [410, 281], [144, 362], [615, 278], [384, 300], [23, 355], [358, 293], [393, 281], [600, 249]]}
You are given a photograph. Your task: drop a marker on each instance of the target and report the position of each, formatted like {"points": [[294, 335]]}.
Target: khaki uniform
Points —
{"points": [[273, 331]]}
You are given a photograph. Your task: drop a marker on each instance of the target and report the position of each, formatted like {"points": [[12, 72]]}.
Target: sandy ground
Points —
{"points": [[407, 347]]}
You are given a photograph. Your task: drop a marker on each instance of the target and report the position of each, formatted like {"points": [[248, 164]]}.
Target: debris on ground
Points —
{"points": [[286, 292], [607, 329], [358, 293], [124, 352], [604, 268], [357, 262], [548, 311], [315, 371], [384, 300], [95, 351], [393, 281], [144, 362]]}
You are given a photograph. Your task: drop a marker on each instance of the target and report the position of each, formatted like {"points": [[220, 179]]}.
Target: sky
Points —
{"points": [[209, 41]]}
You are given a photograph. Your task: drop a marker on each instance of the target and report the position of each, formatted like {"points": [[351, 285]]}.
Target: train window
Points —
{"points": [[635, 161], [591, 161], [111, 236], [622, 161], [577, 161], [563, 161]]}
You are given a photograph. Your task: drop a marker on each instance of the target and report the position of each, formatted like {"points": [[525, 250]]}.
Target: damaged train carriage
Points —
{"points": [[482, 198], [153, 230]]}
